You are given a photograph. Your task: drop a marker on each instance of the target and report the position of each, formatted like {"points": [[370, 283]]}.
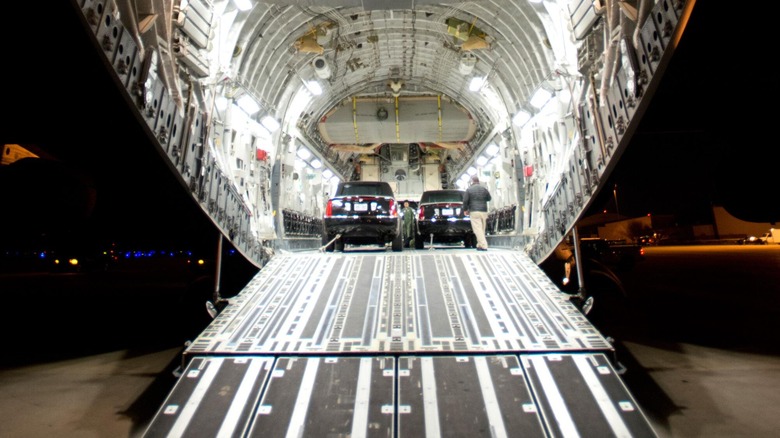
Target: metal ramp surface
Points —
{"points": [[418, 343]]}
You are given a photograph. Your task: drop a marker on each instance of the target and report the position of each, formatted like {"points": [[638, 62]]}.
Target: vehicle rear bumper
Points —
{"points": [[362, 227], [444, 228]]}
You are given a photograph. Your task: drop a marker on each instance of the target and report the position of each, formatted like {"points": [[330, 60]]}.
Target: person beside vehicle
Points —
{"points": [[408, 215], [475, 201]]}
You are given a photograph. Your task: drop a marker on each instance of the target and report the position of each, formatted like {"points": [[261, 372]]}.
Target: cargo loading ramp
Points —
{"points": [[419, 343]]}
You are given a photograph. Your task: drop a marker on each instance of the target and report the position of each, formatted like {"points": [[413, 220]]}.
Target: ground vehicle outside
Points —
{"points": [[440, 219], [751, 240], [617, 255], [362, 213], [773, 236]]}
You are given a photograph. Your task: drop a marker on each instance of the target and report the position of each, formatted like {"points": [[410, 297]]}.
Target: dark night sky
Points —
{"points": [[703, 138], [64, 105], [696, 144]]}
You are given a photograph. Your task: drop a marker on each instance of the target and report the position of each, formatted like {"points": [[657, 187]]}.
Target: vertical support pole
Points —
{"points": [[584, 302], [218, 273], [578, 261]]}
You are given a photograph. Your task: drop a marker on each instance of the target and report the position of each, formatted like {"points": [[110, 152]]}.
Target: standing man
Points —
{"points": [[475, 201], [408, 215]]}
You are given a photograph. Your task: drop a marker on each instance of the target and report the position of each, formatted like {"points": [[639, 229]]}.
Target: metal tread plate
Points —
{"points": [[451, 300], [540, 395]]}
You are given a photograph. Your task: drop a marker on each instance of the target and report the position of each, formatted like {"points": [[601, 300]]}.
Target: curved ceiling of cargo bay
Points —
{"points": [[391, 53]]}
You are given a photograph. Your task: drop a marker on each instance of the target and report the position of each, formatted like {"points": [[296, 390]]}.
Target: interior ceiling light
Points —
{"points": [[270, 123], [492, 149], [476, 83], [243, 5], [481, 160], [221, 103], [315, 163], [248, 104], [540, 98], [630, 64], [303, 154], [327, 174], [521, 118], [314, 87]]}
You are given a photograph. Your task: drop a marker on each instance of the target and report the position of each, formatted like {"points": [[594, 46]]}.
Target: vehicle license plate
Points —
{"points": [[361, 206], [446, 211]]}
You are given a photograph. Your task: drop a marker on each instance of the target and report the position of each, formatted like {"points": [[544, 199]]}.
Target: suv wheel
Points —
{"points": [[398, 242]]}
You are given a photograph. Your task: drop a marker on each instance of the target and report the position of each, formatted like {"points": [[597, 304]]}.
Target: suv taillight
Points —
{"points": [[393, 210], [421, 213], [329, 208]]}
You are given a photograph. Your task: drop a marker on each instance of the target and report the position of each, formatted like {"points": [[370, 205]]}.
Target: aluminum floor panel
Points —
{"points": [[496, 396], [416, 301]]}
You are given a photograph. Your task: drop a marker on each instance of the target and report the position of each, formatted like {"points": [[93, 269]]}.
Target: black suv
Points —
{"points": [[440, 216], [362, 213]]}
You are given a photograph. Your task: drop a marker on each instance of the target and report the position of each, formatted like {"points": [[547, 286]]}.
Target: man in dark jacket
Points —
{"points": [[475, 201]]}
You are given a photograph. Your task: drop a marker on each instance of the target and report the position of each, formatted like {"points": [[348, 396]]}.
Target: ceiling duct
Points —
{"points": [[321, 67]]}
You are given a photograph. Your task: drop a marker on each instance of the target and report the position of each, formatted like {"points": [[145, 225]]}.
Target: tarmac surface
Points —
{"points": [[696, 335]]}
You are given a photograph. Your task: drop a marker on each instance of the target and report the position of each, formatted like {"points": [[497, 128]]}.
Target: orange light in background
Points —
{"points": [[201, 262], [73, 262]]}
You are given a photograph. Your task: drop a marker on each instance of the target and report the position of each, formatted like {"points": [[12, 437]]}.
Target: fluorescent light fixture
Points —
{"points": [[315, 163], [243, 5], [327, 174], [471, 170], [303, 154], [465, 177], [314, 87], [221, 103], [270, 123], [492, 149], [246, 103], [476, 83], [481, 160], [461, 184], [521, 118], [540, 98], [239, 116]]}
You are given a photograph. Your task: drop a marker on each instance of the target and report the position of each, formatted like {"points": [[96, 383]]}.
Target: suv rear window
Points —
{"points": [[441, 196], [365, 188]]}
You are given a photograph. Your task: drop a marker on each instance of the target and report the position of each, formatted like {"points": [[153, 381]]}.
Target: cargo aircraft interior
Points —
{"points": [[260, 108]]}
